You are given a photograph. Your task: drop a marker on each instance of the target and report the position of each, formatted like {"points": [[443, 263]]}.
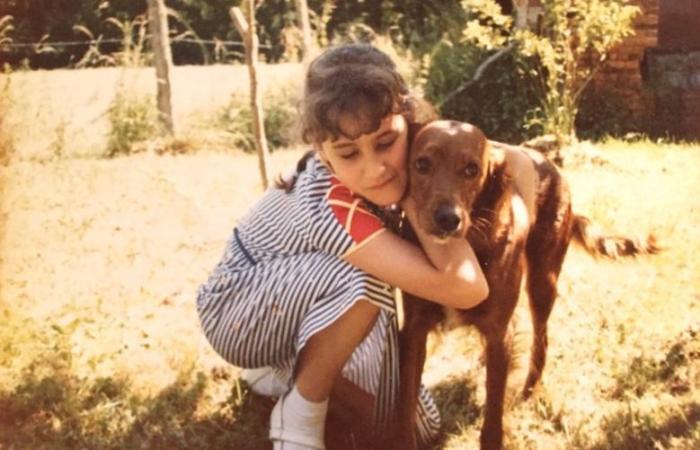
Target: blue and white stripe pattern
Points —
{"points": [[281, 280]]}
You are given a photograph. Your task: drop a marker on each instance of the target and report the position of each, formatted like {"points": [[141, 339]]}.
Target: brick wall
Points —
{"points": [[670, 98], [622, 72], [677, 79], [691, 113]]}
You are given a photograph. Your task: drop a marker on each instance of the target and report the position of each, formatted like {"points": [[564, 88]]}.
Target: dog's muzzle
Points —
{"points": [[447, 220]]}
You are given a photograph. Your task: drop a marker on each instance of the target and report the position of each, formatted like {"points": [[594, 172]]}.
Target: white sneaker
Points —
{"points": [[265, 381], [297, 424]]}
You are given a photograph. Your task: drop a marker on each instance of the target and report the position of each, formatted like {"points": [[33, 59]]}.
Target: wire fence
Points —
{"points": [[215, 42]]}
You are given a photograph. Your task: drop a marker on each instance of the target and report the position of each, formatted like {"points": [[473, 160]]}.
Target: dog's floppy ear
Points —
{"points": [[496, 179], [497, 166], [413, 129]]}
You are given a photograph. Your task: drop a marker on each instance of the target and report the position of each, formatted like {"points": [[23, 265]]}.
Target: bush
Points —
{"points": [[602, 113], [279, 109], [539, 76], [133, 120], [501, 103]]}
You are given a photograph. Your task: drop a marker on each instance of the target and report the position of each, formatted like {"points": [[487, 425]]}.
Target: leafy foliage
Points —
{"points": [[280, 116], [500, 103], [574, 43], [414, 24], [603, 113], [132, 119], [558, 63]]}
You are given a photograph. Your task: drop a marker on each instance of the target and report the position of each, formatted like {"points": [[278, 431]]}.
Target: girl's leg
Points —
{"points": [[298, 418], [323, 357]]}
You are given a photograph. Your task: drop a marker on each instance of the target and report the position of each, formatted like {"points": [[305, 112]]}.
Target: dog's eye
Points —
{"points": [[471, 170], [422, 165]]}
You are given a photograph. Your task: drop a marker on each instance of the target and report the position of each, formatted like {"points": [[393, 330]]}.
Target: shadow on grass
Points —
{"points": [[664, 368], [64, 412], [634, 430], [456, 400]]}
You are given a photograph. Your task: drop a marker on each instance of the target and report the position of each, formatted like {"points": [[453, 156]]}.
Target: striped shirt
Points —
{"points": [[282, 279]]}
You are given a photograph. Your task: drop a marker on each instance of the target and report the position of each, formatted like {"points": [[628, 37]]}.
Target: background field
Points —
{"points": [[100, 259]]}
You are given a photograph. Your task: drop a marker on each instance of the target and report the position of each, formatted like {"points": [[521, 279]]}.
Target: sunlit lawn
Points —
{"points": [[100, 346]]}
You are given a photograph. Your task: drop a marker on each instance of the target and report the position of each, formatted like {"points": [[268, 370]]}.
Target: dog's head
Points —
{"points": [[448, 165]]}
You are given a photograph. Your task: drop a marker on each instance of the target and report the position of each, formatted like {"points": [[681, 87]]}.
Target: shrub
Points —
{"points": [[575, 39], [132, 119], [538, 76], [279, 109], [602, 112], [500, 103]]}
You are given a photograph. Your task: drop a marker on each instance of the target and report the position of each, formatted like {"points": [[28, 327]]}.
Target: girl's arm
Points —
{"points": [[448, 274]]}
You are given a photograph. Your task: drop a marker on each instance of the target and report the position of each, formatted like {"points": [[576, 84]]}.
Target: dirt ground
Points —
{"points": [[118, 247]]}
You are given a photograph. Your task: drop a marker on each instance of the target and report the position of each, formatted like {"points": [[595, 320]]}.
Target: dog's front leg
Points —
{"points": [[497, 365], [420, 317]]}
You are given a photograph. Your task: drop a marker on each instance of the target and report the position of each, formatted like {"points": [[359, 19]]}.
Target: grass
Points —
{"points": [[100, 345], [78, 103]]}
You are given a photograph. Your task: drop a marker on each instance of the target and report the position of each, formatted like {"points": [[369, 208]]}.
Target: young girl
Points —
{"points": [[305, 283]]}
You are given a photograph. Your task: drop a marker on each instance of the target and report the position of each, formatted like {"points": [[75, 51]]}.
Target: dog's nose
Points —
{"points": [[447, 218]]}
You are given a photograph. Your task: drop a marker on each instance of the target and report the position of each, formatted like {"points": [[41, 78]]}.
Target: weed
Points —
{"points": [[58, 145], [93, 57], [7, 139], [132, 120], [280, 113], [133, 33]]}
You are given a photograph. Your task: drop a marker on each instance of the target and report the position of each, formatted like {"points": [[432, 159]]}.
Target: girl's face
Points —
{"points": [[373, 165]]}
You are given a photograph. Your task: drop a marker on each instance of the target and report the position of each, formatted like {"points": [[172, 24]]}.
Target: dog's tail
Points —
{"points": [[598, 244]]}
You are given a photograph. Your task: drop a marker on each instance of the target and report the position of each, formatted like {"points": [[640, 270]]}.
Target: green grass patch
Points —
{"points": [[669, 371]]}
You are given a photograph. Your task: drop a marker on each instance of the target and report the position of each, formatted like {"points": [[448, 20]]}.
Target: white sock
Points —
{"points": [[302, 417], [265, 381]]}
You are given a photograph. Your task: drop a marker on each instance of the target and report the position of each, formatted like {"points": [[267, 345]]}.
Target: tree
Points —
{"points": [[163, 61], [302, 9]]}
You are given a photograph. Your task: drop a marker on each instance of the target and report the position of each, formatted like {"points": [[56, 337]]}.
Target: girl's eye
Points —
{"points": [[350, 155], [422, 165], [471, 170], [386, 144]]}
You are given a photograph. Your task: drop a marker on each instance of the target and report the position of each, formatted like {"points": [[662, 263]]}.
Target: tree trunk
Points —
{"points": [[302, 9], [163, 60], [246, 27], [521, 13]]}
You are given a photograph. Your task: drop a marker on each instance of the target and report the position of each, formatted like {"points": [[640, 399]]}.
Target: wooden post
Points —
{"points": [[303, 18], [163, 60], [246, 28]]}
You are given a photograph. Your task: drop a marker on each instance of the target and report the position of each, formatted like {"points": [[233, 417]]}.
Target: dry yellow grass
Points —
{"points": [[118, 247], [112, 251], [71, 105]]}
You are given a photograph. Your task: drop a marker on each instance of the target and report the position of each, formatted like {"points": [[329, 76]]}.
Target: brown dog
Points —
{"points": [[515, 209]]}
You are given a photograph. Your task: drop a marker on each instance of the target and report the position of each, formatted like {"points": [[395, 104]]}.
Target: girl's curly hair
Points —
{"points": [[356, 81]]}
